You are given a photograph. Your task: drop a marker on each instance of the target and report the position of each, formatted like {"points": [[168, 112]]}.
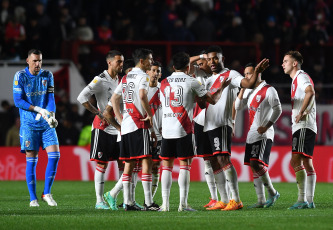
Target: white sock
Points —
{"points": [[99, 183], [231, 176], [311, 185], [166, 182], [183, 182], [155, 180], [301, 182], [117, 188], [260, 189], [221, 185], [266, 180], [127, 189], [133, 185], [146, 184], [210, 179]]}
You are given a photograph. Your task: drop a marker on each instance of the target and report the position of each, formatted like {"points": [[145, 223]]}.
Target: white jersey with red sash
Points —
{"points": [[298, 86], [198, 113], [260, 102], [156, 109], [219, 114], [177, 97], [102, 86], [129, 90]]}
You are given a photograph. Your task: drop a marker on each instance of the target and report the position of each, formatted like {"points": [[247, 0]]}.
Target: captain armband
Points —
{"points": [[50, 89]]}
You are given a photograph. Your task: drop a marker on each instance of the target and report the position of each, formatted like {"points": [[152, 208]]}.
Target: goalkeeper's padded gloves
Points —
{"points": [[53, 123], [49, 117]]}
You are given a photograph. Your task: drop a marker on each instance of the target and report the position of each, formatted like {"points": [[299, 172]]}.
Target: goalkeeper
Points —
{"points": [[33, 90]]}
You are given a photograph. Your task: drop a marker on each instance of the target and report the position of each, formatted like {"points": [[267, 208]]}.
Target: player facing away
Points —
{"points": [[33, 91], [201, 71], [304, 128], [104, 145], [136, 120], [155, 73], [264, 110], [178, 93], [218, 125]]}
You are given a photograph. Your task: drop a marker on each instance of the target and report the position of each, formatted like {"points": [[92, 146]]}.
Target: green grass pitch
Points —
{"points": [[76, 202]]}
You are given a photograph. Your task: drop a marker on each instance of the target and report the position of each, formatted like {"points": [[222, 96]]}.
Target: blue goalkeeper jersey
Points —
{"points": [[36, 90]]}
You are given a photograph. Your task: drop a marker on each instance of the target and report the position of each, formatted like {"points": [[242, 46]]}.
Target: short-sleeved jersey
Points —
{"points": [[177, 97], [198, 113], [219, 114], [133, 111], [260, 102], [298, 86], [102, 86], [33, 89], [156, 109]]}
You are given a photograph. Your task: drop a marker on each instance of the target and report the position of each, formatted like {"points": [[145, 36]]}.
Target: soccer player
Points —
{"points": [[155, 73], [136, 120], [264, 109], [218, 124], [33, 91], [104, 145], [304, 128], [178, 93], [201, 71]]}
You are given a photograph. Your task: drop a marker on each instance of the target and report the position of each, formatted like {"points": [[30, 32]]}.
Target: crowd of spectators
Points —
{"points": [[39, 23]]}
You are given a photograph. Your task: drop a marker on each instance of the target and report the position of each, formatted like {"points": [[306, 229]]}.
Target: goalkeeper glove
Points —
{"points": [[53, 123], [43, 112]]}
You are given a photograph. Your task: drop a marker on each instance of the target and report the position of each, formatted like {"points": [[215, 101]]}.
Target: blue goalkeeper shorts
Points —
{"points": [[33, 139]]}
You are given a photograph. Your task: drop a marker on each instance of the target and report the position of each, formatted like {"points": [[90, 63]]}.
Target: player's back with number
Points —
{"points": [[178, 92], [133, 110]]}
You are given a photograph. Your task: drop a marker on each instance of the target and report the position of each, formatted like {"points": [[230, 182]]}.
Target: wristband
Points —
{"points": [[201, 56], [37, 109], [233, 121]]}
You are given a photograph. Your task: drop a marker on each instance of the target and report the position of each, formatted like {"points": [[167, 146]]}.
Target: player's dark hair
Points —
{"points": [[203, 52], [215, 49], [250, 65], [157, 63], [180, 60], [34, 51], [112, 53], [141, 53], [128, 63], [296, 55]]}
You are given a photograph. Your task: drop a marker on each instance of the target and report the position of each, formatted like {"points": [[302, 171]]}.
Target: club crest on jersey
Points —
{"points": [[258, 97], [44, 82], [100, 154], [27, 143], [15, 82]]}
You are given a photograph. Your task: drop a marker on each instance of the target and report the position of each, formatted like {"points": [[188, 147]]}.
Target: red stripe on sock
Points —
{"points": [[299, 168], [218, 171], [167, 168], [127, 177], [262, 171], [311, 173], [228, 166], [100, 169]]}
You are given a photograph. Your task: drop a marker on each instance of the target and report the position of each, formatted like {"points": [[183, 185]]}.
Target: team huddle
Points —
{"points": [[144, 124]]}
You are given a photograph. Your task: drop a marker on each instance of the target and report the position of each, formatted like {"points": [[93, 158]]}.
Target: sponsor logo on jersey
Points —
{"points": [[100, 154], [37, 93], [258, 98], [15, 82], [44, 82], [27, 143]]}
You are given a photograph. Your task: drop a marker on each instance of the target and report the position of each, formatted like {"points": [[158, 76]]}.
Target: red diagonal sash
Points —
{"points": [[257, 99], [135, 113], [155, 103], [217, 84], [184, 119]]}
